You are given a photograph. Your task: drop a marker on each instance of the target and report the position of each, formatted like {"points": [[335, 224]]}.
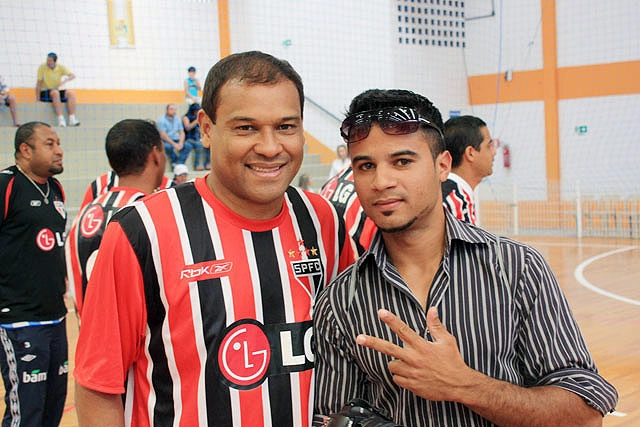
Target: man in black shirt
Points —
{"points": [[33, 358]]}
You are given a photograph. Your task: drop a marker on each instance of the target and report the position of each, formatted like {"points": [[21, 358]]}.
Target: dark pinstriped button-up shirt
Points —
{"points": [[515, 327]]}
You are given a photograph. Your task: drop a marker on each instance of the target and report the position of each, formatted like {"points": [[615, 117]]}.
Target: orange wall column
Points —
{"points": [[223, 28], [550, 94]]}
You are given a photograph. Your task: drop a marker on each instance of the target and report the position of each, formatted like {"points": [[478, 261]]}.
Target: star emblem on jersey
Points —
{"points": [[302, 250]]}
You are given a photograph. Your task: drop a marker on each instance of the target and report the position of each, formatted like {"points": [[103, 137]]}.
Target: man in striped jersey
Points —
{"points": [[472, 150], [481, 333], [106, 182], [136, 154], [341, 193], [201, 295]]}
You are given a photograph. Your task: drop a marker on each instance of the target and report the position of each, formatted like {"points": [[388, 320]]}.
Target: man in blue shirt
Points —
{"points": [[172, 134]]}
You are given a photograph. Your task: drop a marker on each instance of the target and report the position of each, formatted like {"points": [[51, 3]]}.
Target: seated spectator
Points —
{"points": [[180, 175], [192, 87], [172, 134], [49, 88], [8, 100], [192, 135]]}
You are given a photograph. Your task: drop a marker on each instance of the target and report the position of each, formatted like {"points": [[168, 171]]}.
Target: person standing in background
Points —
{"points": [[33, 335], [49, 88], [341, 162], [472, 150], [136, 155], [192, 87]]}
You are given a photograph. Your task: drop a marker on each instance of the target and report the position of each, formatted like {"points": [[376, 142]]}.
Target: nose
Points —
{"points": [[268, 144], [383, 178]]}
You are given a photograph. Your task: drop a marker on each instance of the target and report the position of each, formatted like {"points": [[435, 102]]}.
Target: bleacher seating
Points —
{"points": [[83, 146]]}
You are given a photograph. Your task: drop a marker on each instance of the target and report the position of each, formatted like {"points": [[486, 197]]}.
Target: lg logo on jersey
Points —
{"points": [[47, 240], [343, 192], [250, 351]]}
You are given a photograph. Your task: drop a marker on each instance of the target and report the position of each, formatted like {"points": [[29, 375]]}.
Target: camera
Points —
{"points": [[356, 413]]}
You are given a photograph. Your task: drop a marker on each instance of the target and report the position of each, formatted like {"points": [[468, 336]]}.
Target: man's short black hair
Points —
{"points": [[128, 144], [25, 133], [53, 56], [252, 68], [375, 99], [460, 133]]}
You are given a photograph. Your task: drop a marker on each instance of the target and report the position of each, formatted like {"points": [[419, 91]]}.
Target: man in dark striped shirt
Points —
{"points": [[439, 322]]}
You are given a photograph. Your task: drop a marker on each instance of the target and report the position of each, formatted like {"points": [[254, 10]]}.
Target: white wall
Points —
{"points": [[169, 37], [344, 47]]}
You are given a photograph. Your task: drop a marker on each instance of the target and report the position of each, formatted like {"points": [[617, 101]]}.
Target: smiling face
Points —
{"points": [[256, 146], [397, 180]]}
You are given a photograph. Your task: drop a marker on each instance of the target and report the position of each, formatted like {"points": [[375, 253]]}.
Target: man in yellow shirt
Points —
{"points": [[49, 88]]}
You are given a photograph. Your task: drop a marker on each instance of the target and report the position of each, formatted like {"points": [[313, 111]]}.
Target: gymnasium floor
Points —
{"points": [[601, 279]]}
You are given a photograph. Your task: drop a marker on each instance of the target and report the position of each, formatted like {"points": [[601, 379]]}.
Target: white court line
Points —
{"points": [[579, 275]]}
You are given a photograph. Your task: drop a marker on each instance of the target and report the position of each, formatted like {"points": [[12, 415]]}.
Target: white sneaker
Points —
{"points": [[73, 121], [62, 122]]}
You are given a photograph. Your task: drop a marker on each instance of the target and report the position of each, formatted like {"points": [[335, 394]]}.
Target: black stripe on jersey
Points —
{"points": [[309, 232], [274, 313], [212, 306], [156, 314]]}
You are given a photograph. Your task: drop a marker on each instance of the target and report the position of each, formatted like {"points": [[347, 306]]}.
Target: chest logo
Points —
{"points": [[244, 355], [92, 221], [45, 239]]}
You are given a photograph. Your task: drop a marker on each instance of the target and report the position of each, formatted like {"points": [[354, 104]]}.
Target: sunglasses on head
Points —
{"points": [[392, 121]]}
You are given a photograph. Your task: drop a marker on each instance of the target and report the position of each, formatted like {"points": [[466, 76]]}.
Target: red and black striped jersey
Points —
{"points": [[106, 182], [458, 198], [340, 191], [83, 240], [206, 314]]}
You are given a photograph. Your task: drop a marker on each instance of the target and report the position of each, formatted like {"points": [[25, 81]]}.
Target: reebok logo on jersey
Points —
{"points": [[249, 351], [34, 377], [206, 270]]}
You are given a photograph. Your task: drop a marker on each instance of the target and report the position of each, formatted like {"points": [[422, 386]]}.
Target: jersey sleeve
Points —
{"points": [[113, 320]]}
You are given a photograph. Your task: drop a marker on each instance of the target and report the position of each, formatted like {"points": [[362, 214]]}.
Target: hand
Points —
{"points": [[431, 370]]}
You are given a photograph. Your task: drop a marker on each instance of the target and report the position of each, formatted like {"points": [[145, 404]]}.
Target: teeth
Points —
{"points": [[259, 169]]}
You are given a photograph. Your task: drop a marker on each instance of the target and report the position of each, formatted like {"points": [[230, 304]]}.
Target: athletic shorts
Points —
{"points": [[45, 96]]}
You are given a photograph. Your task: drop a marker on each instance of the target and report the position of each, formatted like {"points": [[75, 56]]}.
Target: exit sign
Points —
{"points": [[581, 130]]}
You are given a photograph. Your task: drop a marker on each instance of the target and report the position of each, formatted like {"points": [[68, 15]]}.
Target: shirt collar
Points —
{"points": [[455, 230]]}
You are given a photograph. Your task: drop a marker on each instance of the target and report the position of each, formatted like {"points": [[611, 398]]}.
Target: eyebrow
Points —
{"points": [[252, 119], [409, 153]]}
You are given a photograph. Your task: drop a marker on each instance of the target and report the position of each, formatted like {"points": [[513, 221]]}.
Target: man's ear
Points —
{"points": [[25, 151], [206, 128], [443, 165], [470, 153]]}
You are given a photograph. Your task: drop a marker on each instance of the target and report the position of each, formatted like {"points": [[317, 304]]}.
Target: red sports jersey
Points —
{"points": [[206, 314], [458, 198], [106, 182], [82, 242], [341, 193]]}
